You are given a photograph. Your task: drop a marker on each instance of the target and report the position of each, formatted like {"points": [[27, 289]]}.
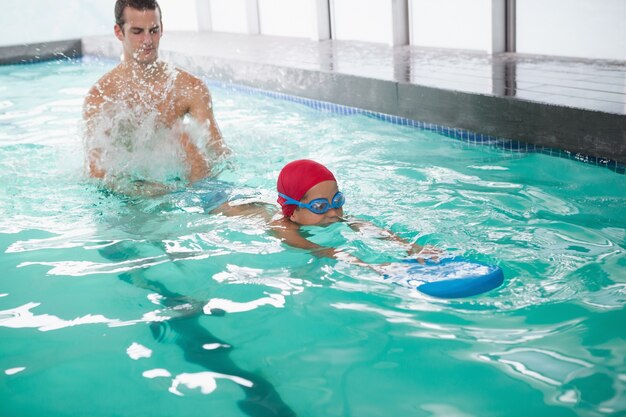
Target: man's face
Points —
{"points": [[140, 35]]}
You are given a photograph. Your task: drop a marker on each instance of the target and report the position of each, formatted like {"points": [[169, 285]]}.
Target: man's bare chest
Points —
{"points": [[157, 101]]}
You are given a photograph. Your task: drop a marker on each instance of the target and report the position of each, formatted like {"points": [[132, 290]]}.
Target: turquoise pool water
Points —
{"points": [[113, 306]]}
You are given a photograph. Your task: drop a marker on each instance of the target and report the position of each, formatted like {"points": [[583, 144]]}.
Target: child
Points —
{"points": [[309, 195]]}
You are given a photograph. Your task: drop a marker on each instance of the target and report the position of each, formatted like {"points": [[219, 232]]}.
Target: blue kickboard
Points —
{"points": [[450, 277]]}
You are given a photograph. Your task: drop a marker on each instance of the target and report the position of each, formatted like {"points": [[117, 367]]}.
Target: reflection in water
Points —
{"points": [[572, 376], [542, 365], [577, 382]]}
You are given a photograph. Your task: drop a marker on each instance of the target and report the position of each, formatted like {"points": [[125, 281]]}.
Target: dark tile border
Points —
{"points": [[38, 52]]}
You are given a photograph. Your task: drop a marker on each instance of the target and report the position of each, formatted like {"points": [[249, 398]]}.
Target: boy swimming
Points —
{"points": [[309, 196]]}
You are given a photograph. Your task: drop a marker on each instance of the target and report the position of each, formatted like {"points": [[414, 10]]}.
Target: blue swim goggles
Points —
{"points": [[319, 205]]}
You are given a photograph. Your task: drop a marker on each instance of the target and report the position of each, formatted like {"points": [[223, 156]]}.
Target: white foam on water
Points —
{"points": [[156, 373], [137, 351], [13, 371], [206, 381], [230, 306]]}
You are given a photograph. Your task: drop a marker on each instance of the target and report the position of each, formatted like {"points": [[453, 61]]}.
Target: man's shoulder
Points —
{"points": [[191, 88], [188, 80], [106, 82]]}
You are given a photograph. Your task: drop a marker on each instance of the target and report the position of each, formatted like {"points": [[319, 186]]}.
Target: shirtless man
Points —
{"points": [[146, 85]]}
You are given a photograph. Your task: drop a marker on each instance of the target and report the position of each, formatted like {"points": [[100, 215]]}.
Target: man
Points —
{"points": [[153, 92]]}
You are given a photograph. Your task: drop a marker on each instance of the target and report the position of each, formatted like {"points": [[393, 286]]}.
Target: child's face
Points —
{"points": [[327, 190]]}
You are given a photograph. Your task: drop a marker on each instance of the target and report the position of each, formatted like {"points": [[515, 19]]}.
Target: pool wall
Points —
{"points": [[35, 52]]}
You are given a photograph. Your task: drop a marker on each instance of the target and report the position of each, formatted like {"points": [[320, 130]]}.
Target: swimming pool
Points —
{"points": [[133, 307]]}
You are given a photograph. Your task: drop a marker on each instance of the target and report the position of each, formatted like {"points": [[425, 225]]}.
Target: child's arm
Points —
{"points": [[289, 233], [412, 248]]}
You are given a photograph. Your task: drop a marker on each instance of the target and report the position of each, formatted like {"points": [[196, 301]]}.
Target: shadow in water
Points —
{"points": [[261, 400]]}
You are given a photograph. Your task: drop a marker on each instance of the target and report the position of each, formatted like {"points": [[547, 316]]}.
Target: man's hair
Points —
{"points": [[120, 5]]}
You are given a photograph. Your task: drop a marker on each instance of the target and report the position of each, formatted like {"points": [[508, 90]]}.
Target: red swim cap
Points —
{"points": [[298, 177]]}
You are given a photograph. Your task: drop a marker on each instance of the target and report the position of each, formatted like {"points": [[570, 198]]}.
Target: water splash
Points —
{"points": [[134, 137]]}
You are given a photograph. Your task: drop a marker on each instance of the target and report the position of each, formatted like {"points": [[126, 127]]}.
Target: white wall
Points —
{"points": [[234, 16], [459, 24], [578, 28], [179, 14], [36, 21], [297, 18], [203, 11], [369, 21]]}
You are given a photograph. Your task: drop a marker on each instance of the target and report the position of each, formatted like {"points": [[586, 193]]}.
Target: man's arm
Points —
{"points": [[92, 106], [201, 110]]}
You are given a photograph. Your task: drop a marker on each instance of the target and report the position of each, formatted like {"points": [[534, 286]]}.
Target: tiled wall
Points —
{"points": [[454, 133]]}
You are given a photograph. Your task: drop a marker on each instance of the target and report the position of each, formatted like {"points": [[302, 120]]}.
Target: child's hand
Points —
{"points": [[424, 252]]}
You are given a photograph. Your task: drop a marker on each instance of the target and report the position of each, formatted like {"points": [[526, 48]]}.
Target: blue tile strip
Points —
{"points": [[451, 132]]}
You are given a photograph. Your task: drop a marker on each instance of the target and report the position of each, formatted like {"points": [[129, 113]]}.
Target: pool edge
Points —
{"points": [[42, 51]]}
